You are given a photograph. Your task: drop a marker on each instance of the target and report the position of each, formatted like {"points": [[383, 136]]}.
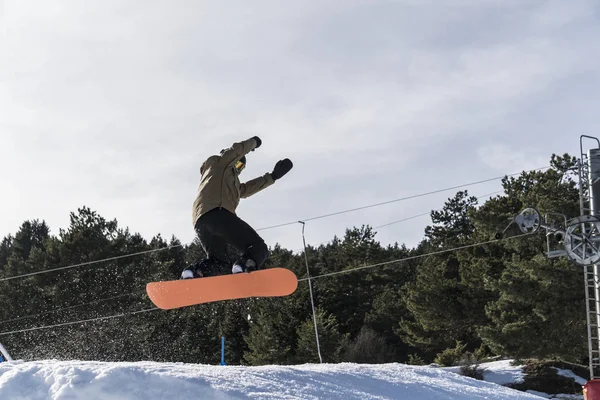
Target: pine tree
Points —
{"points": [[539, 308], [440, 299], [265, 343], [506, 294], [540, 312], [330, 340], [349, 296]]}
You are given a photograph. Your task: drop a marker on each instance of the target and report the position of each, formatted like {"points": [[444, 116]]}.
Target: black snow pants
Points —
{"points": [[218, 228]]}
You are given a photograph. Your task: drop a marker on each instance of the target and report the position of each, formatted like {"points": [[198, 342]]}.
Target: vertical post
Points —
{"points": [[223, 350], [594, 198], [588, 311], [594, 180], [312, 301], [4, 352]]}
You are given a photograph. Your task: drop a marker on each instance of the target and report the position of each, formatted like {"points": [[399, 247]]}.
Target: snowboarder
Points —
{"points": [[214, 218]]}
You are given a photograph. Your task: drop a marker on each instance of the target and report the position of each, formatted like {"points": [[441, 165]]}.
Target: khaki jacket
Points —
{"points": [[220, 185]]}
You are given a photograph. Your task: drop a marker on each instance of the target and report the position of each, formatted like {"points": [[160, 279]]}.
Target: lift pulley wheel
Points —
{"points": [[582, 240]]}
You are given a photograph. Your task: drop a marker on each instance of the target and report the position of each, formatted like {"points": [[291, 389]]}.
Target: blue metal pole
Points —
{"points": [[223, 351], [4, 356]]}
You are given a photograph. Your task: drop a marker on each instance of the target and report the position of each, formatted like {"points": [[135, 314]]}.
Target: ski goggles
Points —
{"points": [[239, 166]]}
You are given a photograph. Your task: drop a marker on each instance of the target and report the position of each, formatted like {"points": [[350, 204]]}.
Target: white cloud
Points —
{"points": [[114, 104], [505, 158]]}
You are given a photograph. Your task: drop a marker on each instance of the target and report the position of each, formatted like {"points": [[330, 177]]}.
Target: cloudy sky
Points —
{"points": [[114, 104]]}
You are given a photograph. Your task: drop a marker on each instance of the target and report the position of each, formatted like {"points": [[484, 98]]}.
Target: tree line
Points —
{"points": [[501, 298]]}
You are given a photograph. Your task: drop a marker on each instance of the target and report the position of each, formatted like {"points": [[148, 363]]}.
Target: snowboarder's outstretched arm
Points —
{"points": [[240, 149], [257, 184]]}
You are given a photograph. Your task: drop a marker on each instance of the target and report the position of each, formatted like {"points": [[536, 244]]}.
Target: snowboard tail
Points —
{"points": [[272, 282]]}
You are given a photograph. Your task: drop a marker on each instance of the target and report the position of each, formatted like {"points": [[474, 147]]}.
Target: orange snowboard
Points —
{"points": [[263, 283]]}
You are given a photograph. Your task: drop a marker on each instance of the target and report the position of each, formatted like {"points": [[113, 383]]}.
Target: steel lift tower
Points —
{"points": [[579, 240]]}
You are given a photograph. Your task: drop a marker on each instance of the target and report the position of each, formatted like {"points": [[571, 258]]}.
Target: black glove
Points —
{"points": [[281, 168], [258, 141]]}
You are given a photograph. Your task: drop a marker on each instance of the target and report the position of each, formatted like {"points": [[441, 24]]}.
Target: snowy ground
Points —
{"points": [[503, 373], [78, 380], [500, 372]]}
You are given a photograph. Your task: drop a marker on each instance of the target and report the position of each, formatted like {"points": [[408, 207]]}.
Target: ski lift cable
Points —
{"points": [[141, 291], [262, 229], [88, 263], [392, 223], [299, 280], [80, 322], [401, 220], [400, 199], [71, 307], [429, 212], [415, 257]]}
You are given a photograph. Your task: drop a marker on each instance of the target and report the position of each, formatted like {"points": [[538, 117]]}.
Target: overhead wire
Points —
{"points": [[6, 321], [88, 263], [268, 227], [141, 292], [299, 280], [399, 199], [429, 212], [414, 257], [79, 322], [176, 246]]}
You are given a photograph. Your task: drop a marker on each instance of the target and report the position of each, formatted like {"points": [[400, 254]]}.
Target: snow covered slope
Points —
{"points": [[78, 380]]}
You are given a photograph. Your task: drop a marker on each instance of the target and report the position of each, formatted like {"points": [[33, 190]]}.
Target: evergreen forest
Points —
{"points": [[459, 288]]}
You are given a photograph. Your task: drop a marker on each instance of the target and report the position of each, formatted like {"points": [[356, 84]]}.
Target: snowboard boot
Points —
{"points": [[205, 268], [244, 264], [193, 271]]}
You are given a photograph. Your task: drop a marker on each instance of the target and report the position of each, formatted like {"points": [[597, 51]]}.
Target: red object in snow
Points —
{"points": [[591, 390]]}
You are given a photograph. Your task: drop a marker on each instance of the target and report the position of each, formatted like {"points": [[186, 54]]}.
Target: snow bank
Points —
{"points": [[570, 374], [502, 372], [78, 380], [499, 372]]}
